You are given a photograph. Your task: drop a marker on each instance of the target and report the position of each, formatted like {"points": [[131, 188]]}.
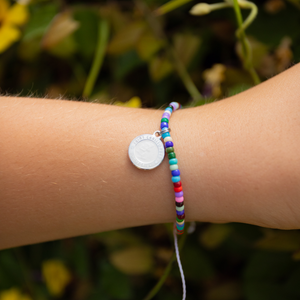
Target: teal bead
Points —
{"points": [[173, 161], [175, 178], [173, 167], [164, 120], [164, 135]]}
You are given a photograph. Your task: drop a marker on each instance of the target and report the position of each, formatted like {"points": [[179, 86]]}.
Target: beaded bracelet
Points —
{"points": [[147, 152]]}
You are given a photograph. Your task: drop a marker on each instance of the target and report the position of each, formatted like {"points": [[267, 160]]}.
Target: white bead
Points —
{"points": [[167, 139]]}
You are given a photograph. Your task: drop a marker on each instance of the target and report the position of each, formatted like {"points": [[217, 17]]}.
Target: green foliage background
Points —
{"points": [[142, 55]]}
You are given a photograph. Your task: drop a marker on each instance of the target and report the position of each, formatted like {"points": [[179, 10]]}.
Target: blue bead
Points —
{"points": [[175, 173], [175, 178], [169, 109], [173, 161], [164, 124], [169, 144], [164, 128], [164, 135], [179, 213]]}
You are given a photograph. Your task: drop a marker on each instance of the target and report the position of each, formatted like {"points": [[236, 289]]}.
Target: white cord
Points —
{"points": [[179, 263]]}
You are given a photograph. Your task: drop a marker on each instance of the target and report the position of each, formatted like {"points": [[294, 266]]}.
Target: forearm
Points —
{"points": [[65, 171]]}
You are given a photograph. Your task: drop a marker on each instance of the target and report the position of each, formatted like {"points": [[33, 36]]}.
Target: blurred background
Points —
{"points": [[147, 53]]}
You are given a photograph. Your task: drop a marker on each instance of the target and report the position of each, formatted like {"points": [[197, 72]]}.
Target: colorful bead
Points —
{"points": [[177, 189], [179, 194], [171, 155], [177, 184], [164, 135], [173, 161], [180, 217], [181, 208], [164, 125], [173, 167], [179, 204], [179, 213], [179, 199], [169, 144], [169, 149], [175, 105], [175, 178], [176, 173]]}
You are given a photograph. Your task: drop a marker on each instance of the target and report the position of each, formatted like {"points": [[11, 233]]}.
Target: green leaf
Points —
{"points": [[171, 5], [214, 235], [86, 35], [160, 67], [40, 18]]}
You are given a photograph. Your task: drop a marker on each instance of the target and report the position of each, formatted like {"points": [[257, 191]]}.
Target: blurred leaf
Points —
{"points": [[114, 283], [148, 45], [225, 291], [279, 240], [133, 260], [125, 63], [126, 38], [197, 264], [86, 35], [212, 236], [160, 67], [171, 5], [40, 18], [134, 102], [28, 50], [186, 45], [118, 238], [65, 48], [267, 266], [61, 27], [236, 89], [10, 273], [258, 49]]}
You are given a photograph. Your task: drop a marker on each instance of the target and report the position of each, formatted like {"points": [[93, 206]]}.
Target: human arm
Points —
{"points": [[65, 171]]}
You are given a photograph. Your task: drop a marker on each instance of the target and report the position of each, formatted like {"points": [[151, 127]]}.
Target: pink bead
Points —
{"points": [[179, 199]]}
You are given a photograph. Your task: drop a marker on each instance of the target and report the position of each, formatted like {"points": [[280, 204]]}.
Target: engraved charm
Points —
{"points": [[146, 151]]}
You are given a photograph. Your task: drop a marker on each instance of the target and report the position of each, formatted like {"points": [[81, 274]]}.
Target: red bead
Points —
{"points": [[177, 184], [179, 232], [177, 189], [180, 217]]}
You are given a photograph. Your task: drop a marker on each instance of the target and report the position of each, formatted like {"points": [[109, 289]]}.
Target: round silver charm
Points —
{"points": [[146, 151]]}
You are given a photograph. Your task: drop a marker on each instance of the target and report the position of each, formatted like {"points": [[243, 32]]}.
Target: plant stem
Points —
{"points": [[167, 271], [247, 56], [103, 33], [180, 68]]}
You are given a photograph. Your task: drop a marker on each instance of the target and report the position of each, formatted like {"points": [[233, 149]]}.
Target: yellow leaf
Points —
{"points": [[4, 5], [61, 27], [214, 235], [186, 45], [280, 240], [133, 102], [148, 45], [126, 38], [134, 260], [56, 275], [159, 68], [8, 35], [17, 15], [13, 294]]}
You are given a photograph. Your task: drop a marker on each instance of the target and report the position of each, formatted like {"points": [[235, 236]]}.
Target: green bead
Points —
{"points": [[169, 149], [164, 120], [178, 220], [171, 155]]}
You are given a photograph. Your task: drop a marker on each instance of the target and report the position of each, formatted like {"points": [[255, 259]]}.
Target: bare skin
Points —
{"points": [[65, 171]]}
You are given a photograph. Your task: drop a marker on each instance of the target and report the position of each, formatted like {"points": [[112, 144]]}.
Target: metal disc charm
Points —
{"points": [[146, 151]]}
